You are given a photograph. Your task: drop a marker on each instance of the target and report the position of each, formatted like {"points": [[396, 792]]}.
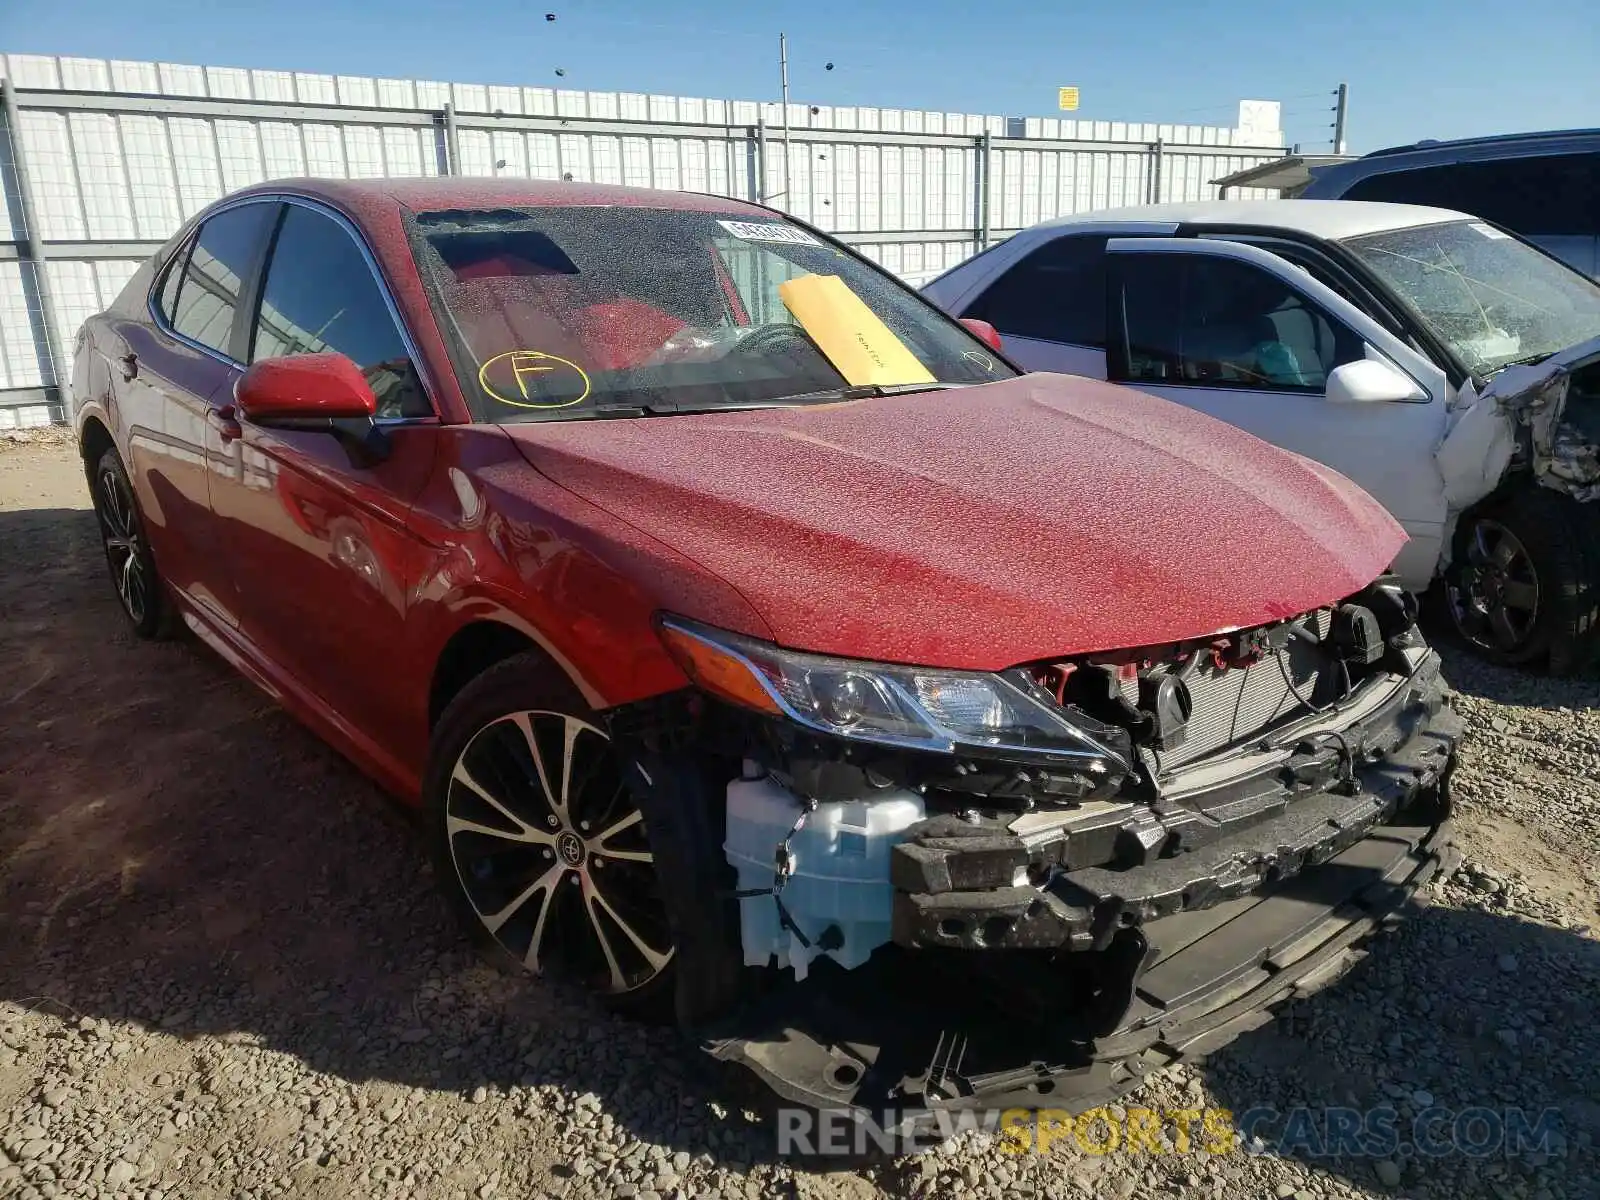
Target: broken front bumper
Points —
{"points": [[969, 888], [1018, 979]]}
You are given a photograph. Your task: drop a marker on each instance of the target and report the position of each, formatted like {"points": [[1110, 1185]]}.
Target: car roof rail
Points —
{"points": [[1486, 140]]}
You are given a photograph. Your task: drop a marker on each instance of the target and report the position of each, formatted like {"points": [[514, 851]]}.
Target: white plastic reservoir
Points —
{"points": [[840, 878]]}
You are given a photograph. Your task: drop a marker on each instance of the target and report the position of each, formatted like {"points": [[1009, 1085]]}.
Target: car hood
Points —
{"points": [[986, 526]]}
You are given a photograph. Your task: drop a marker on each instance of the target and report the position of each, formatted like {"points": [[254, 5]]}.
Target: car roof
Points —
{"points": [[1533, 141], [433, 194], [1334, 181], [1330, 220]]}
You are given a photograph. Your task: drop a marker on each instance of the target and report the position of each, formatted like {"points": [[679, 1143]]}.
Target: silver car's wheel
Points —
{"points": [[552, 854], [1494, 594]]}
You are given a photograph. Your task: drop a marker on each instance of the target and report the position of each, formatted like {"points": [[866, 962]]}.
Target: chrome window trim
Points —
{"points": [[417, 363]]}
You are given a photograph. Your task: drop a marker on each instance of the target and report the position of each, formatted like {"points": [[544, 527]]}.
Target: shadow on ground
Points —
{"points": [[175, 851], [1509, 685], [1460, 1029]]}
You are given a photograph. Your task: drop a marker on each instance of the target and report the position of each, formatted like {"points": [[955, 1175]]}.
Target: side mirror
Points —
{"points": [[304, 388], [983, 331], [317, 393], [1371, 381]]}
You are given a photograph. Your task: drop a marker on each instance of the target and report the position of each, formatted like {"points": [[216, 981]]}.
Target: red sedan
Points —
{"points": [[735, 618]]}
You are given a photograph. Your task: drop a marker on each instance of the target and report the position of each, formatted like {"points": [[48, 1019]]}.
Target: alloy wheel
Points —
{"points": [[119, 527], [1494, 597], [552, 852]]}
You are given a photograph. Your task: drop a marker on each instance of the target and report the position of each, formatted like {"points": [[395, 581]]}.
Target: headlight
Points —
{"points": [[910, 707]]}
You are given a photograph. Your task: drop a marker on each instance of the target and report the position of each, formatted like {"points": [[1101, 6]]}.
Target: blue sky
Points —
{"points": [[1416, 68]]}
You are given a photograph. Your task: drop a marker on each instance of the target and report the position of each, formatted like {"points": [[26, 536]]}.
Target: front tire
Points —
{"points": [[139, 586], [1524, 583], [539, 844]]}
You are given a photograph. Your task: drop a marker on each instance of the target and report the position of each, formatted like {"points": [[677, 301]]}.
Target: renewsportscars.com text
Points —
{"points": [[1309, 1132]]}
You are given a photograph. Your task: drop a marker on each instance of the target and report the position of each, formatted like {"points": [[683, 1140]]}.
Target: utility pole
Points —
{"points": [[1341, 101], [783, 72]]}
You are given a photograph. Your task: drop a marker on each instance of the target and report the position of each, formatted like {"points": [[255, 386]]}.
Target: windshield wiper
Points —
{"points": [[614, 412], [1529, 361], [865, 391], [626, 412], [606, 412]]}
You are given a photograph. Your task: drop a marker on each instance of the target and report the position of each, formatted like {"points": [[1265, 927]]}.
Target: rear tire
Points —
{"points": [[140, 589], [539, 844], [1524, 581]]}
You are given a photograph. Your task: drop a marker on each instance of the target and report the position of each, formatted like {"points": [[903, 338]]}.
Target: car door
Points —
{"points": [[1049, 306], [174, 371], [1246, 336], [316, 535]]}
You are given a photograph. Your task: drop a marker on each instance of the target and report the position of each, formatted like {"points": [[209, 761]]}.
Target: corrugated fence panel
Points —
{"points": [[194, 158], [130, 172], [239, 154], [56, 202], [77, 298], [282, 151], [152, 186], [103, 178], [22, 353]]}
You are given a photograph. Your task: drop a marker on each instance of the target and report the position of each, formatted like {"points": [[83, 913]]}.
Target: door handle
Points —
{"points": [[224, 421], [130, 366]]}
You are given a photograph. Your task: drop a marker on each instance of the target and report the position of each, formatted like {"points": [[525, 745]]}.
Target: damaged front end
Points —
{"points": [[1023, 889], [1542, 419]]}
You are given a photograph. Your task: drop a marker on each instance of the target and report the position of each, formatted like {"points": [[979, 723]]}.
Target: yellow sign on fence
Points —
{"points": [[1068, 97]]}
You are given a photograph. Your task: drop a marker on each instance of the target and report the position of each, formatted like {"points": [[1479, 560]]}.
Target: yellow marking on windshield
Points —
{"points": [[520, 365], [858, 344]]}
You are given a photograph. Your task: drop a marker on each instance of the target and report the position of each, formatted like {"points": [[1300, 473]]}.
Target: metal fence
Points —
{"points": [[100, 162]]}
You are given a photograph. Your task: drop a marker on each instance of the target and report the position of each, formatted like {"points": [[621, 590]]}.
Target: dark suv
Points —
{"points": [[1545, 186]]}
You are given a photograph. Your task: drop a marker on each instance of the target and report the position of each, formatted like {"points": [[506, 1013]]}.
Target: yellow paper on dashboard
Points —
{"points": [[859, 345]]}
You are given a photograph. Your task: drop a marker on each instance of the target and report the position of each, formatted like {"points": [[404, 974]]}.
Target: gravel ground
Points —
{"points": [[224, 971]]}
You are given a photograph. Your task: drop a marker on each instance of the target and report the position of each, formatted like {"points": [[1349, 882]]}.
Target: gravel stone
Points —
{"points": [[121, 1173]]}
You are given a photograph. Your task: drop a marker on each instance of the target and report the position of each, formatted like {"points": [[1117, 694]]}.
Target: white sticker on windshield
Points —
{"points": [[755, 231], [1488, 231]]}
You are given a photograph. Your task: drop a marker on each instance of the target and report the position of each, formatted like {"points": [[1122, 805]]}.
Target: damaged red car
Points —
{"points": [[759, 647]]}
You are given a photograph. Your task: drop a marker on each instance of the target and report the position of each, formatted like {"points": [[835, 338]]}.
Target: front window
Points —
{"points": [[1192, 320], [1490, 298], [559, 313]]}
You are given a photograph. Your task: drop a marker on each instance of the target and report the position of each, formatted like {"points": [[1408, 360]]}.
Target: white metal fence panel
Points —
{"points": [[117, 155]]}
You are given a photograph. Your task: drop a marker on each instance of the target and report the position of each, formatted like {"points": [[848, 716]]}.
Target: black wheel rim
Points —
{"points": [[552, 852], [1494, 598], [119, 527]]}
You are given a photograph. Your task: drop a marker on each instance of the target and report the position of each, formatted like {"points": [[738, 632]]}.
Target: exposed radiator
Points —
{"points": [[1240, 702]]}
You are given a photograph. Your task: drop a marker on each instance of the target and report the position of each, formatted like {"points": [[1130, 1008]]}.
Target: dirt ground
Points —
{"points": [[224, 971]]}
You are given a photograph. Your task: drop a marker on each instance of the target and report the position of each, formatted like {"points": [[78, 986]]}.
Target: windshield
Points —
{"points": [[566, 313], [1490, 298]]}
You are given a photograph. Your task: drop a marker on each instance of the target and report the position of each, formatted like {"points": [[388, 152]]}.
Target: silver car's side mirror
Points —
{"points": [[1371, 381]]}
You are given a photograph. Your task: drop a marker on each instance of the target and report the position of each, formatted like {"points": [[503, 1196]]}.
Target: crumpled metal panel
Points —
{"points": [[1565, 447]]}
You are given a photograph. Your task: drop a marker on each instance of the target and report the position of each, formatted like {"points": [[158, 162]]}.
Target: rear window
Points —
{"points": [[214, 276], [1057, 294]]}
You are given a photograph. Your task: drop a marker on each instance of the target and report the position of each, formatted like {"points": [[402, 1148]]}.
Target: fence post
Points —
{"points": [[985, 186], [452, 139], [34, 254], [761, 159], [1156, 148]]}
